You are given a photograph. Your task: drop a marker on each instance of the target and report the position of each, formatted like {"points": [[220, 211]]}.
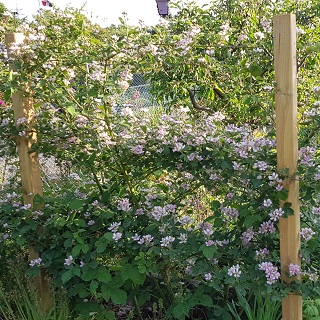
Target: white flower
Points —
{"points": [[165, 242], [259, 35], [208, 276], [183, 238], [35, 262], [68, 261], [234, 271], [117, 236]]}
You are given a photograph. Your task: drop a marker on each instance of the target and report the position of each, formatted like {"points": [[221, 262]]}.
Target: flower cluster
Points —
{"points": [[271, 272]]}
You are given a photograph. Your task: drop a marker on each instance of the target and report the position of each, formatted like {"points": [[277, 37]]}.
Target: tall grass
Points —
{"points": [[261, 308], [22, 303]]}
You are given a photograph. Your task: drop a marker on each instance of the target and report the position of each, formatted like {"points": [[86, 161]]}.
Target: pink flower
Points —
{"points": [[247, 236], [72, 139], [124, 205], [306, 233], [271, 272], [276, 214], [267, 227], [136, 95], [138, 149], [262, 252], [294, 270]]}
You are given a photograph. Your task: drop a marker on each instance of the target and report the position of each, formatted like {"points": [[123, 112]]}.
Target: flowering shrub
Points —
{"points": [[175, 206]]}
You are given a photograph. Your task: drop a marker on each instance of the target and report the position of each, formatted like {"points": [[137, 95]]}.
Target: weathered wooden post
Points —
{"points": [[29, 162], [285, 64]]}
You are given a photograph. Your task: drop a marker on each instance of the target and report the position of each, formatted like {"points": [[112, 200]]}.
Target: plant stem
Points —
{"points": [[163, 297], [136, 306], [95, 177], [168, 285], [225, 294]]}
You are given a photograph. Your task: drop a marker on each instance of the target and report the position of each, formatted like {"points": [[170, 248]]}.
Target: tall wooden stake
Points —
{"points": [[29, 162], [287, 150]]}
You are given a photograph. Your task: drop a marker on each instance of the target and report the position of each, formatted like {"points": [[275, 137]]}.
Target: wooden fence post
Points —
{"points": [[287, 150], [29, 162]]}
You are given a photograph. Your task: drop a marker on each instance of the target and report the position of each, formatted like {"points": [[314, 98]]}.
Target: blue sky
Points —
{"points": [[105, 12]]}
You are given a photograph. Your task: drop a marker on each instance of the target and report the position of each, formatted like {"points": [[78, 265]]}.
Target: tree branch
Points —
{"points": [[195, 104]]}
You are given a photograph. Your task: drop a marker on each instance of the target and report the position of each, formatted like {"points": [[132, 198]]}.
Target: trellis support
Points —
{"points": [[285, 65], [29, 163]]}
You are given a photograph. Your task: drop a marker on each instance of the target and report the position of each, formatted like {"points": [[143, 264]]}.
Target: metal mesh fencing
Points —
{"points": [[137, 96]]}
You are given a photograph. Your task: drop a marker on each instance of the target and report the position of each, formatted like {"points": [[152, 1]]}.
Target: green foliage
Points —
{"points": [[311, 309], [173, 208], [263, 307]]}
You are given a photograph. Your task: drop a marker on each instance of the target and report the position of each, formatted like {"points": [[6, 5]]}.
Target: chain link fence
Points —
{"points": [[137, 96]]}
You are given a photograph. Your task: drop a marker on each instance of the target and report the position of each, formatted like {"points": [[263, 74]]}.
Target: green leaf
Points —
{"points": [[85, 248], [7, 94], [66, 276], [282, 195], [180, 310], [76, 204], [33, 271], [206, 300], [102, 274], [255, 70], [257, 183], [71, 110], [105, 292], [118, 296], [136, 276], [93, 286], [218, 222], [109, 315], [76, 250], [250, 219], [38, 199], [60, 222], [88, 307], [226, 165], [288, 211], [215, 205], [209, 252], [80, 222]]}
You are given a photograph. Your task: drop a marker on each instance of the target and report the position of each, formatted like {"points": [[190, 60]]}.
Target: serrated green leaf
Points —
{"points": [[85, 248], [250, 219], [180, 310], [76, 250], [102, 274], [94, 286], [105, 292]]}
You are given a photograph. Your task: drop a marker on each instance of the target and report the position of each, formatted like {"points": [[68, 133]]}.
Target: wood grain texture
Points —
{"points": [[29, 162], [287, 150]]}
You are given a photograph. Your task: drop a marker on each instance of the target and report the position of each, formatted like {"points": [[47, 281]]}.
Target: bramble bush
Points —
{"points": [[177, 206]]}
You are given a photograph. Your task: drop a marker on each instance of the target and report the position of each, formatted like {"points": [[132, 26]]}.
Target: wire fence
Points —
{"points": [[137, 96]]}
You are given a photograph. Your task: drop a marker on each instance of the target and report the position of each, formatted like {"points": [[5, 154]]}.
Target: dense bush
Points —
{"points": [[176, 206]]}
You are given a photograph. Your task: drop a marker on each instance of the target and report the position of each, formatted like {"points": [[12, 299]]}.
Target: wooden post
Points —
{"points": [[287, 150], [29, 162]]}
